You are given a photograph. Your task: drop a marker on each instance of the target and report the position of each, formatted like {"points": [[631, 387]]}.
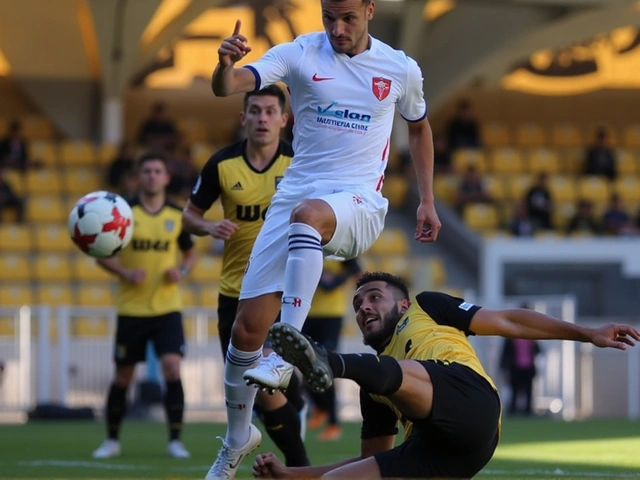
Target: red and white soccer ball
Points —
{"points": [[101, 224]]}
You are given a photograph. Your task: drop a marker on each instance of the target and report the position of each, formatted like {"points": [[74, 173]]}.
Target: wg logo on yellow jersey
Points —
{"points": [[250, 213]]}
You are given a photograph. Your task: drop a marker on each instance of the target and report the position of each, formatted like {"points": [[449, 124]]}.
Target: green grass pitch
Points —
{"points": [[598, 449]]}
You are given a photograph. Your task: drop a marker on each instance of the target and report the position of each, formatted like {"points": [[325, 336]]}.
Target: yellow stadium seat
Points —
{"points": [[562, 214], [90, 327], [544, 160], [207, 269], [192, 130], [437, 272], [16, 295], [77, 153], [45, 152], [201, 152], [52, 238], [507, 160], [445, 187], [15, 268], [481, 217], [188, 295], [495, 134], [96, 295], [465, 157], [626, 162], [562, 188], [208, 296], [43, 182], [628, 188], [530, 135], [79, 181], [52, 268], [399, 265], [16, 238], [395, 189], [494, 186], [15, 180], [517, 186], [36, 127], [46, 209], [566, 135], [631, 136], [106, 153], [55, 294], [596, 189], [391, 241], [7, 326], [572, 160], [85, 269]]}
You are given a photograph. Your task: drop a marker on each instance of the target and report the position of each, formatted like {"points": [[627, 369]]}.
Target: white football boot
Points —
{"points": [[228, 461]]}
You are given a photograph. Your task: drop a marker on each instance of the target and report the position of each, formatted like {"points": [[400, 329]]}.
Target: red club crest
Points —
{"points": [[380, 87]]}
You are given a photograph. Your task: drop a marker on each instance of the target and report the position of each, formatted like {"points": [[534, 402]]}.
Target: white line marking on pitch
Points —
{"points": [[559, 473], [111, 466]]}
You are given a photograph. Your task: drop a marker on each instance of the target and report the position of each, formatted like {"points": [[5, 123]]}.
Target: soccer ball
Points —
{"points": [[101, 224]]}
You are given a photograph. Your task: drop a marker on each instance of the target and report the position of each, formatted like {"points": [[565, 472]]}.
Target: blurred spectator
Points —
{"points": [[471, 189], [464, 130], [583, 221], [441, 154], [518, 363], [600, 158], [521, 224], [616, 221], [183, 174], [158, 130], [120, 166], [9, 199], [14, 149], [539, 204]]}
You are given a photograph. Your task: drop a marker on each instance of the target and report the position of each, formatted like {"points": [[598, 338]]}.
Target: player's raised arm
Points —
{"points": [[227, 79]]}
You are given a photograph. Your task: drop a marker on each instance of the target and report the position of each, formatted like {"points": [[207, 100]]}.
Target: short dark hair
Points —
{"points": [[391, 280], [268, 91], [364, 2], [151, 155]]}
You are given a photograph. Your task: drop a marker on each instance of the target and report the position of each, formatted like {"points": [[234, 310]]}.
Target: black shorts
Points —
{"points": [[133, 335], [459, 437]]}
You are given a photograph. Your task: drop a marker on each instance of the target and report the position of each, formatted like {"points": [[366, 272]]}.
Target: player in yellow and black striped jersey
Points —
{"points": [[148, 301], [244, 176], [426, 375]]}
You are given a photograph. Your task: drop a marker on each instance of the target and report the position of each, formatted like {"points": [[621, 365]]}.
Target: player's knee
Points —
{"points": [[124, 375], [248, 335], [308, 212], [171, 371], [269, 402]]}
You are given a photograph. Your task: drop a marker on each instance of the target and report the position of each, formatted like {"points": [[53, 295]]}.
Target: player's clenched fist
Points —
{"points": [[267, 465], [233, 48]]}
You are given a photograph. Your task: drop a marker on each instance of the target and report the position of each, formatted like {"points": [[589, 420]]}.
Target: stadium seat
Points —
{"points": [[201, 152], [43, 182], [481, 217], [96, 295], [464, 157], [77, 153], [562, 214], [85, 269], [631, 136], [628, 188], [15, 238], [16, 295], [207, 269], [395, 189], [543, 160], [208, 295], [45, 152], [90, 327], [106, 153], [494, 186], [52, 267], [46, 209], [530, 135], [36, 127], [572, 160], [15, 179], [562, 188], [55, 294], [398, 264], [595, 189], [507, 160], [391, 241], [517, 186], [445, 187], [52, 238], [626, 162], [15, 268], [80, 181], [566, 135], [495, 134], [192, 130], [188, 295], [7, 326]]}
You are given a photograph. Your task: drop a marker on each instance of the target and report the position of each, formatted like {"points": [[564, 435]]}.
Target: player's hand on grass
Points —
{"points": [[428, 224], [135, 276], [173, 275], [233, 48], [223, 230], [615, 336], [267, 465]]}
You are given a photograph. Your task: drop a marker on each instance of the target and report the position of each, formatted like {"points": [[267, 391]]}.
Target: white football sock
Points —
{"points": [[302, 273], [239, 397]]}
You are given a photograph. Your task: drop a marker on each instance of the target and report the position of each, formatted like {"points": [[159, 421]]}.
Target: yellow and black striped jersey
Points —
{"points": [[157, 237], [245, 194]]}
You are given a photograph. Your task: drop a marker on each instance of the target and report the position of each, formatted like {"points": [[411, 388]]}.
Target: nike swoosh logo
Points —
{"points": [[233, 466], [316, 78]]}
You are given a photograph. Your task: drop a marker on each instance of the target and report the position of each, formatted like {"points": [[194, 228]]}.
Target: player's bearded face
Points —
{"points": [[378, 337], [346, 23]]}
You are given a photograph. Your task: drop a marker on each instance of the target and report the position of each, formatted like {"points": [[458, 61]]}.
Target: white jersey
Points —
{"points": [[343, 107]]}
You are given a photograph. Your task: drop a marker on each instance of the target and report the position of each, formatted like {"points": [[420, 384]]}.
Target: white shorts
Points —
{"points": [[359, 222]]}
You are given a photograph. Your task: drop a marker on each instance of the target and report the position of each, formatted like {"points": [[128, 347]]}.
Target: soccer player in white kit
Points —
{"points": [[345, 86]]}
